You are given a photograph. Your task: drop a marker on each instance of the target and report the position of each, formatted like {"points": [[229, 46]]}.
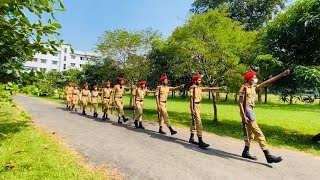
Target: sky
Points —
{"points": [[85, 20]]}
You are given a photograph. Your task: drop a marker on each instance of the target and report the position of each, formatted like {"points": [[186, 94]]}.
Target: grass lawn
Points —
{"points": [[32, 153], [285, 126]]}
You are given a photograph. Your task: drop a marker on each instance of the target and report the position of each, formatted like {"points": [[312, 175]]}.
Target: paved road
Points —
{"points": [[145, 154]]}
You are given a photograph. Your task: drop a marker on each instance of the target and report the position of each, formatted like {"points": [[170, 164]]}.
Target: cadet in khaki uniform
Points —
{"points": [[195, 100], [69, 90], [248, 118], [161, 99], [75, 97], [118, 99], [84, 98], [139, 94], [94, 100], [105, 99]]}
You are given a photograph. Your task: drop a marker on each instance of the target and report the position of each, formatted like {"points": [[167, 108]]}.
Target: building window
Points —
{"points": [[43, 61], [56, 54], [81, 58], [64, 66], [80, 65], [34, 60], [73, 64], [65, 58], [73, 57], [55, 62], [65, 50], [34, 68]]}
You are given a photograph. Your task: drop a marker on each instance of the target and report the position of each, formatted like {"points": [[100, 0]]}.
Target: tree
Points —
{"points": [[294, 38], [253, 13], [214, 45], [20, 38]]}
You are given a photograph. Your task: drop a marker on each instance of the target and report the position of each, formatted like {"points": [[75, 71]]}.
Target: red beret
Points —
{"points": [[107, 82], [85, 85], [75, 85], [69, 82], [142, 82], [163, 78], [95, 86], [121, 79], [249, 75], [196, 77]]}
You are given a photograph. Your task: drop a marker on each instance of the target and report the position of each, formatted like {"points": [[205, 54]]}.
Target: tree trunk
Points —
{"points": [[291, 98], [226, 99], [266, 95], [215, 110], [209, 95], [259, 96], [217, 96], [131, 102], [172, 93], [319, 97], [236, 97]]}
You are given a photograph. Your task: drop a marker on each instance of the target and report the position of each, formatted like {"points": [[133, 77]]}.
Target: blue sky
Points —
{"points": [[85, 20]]}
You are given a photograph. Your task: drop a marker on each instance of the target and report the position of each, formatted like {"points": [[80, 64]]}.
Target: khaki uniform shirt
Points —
{"points": [[164, 92], [118, 91], [251, 94], [197, 93], [140, 93], [94, 96], [69, 90], [106, 93]]}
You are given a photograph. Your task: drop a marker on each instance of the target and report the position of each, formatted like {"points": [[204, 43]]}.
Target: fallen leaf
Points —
{"points": [[10, 165]]}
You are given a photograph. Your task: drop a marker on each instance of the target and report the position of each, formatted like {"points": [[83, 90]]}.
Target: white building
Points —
{"points": [[62, 60]]}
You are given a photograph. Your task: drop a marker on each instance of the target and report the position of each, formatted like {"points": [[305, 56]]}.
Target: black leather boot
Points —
{"points": [[172, 131], [270, 158], [202, 144], [191, 140], [161, 131], [247, 155], [104, 116], [140, 125], [119, 120], [136, 124], [124, 119], [107, 117]]}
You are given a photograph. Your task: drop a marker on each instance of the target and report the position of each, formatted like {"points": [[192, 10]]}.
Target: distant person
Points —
{"points": [[75, 97], [139, 94], [84, 98], [94, 100], [246, 105], [162, 93], [105, 99], [118, 98], [195, 100], [69, 88]]}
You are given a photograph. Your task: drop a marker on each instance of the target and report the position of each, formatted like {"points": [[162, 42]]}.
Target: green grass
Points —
{"points": [[284, 125], [34, 153]]}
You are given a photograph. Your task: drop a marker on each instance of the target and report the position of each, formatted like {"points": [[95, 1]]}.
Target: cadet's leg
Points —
{"points": [[84, 104], [166, 117], [250, 135], [106, 109], [193, 129], [199, 127], [122, 112]]}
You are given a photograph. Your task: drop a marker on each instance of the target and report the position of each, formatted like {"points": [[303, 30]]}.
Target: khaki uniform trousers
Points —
{"points": [[196, 125], [253, 131], [106, 105], [164, 117], [84, 101], [75, 100], [119, 102], [139, 110]]}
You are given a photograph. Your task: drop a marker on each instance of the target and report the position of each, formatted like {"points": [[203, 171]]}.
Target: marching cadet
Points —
{"points": [[118, 99], [105, 99], [94, 100], [246, 105], [75, 97], [69, 90], [139, 94], [161, 99], [84, 98], [195, 100]]}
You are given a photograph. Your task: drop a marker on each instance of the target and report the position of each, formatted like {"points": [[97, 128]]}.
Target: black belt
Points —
{"points": [[84, 95], [75, 94], [94, 96], [119, 97], [139, 100], [197, 102], [163, 101], [107, 97]]}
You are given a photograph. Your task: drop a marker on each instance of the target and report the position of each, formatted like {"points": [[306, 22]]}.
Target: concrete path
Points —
{"points": [[145, 154]]}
